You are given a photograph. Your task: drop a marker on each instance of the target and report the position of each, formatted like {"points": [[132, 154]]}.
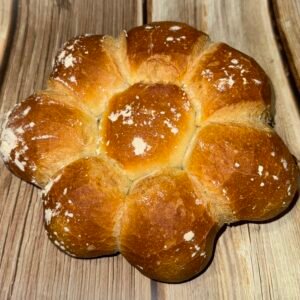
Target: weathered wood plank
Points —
{"points": [[252, 261], [6, 12], [30, 266], [287, 16]]}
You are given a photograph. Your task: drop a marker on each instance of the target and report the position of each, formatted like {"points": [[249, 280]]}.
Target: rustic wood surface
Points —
{"points": [[251, 261], [5, 18], [287, 15]]}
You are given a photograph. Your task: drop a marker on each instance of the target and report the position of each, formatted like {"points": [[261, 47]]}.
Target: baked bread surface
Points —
{"points": [[147, 145]]}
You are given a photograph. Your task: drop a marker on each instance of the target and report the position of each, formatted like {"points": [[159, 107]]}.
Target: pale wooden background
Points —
{"points": [[252, 261]]}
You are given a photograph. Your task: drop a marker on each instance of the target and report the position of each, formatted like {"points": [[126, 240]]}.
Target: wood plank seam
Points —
{"points": [[10, 39], [286, 16], [22, 238], [284, 50], [145, 11], [251, 258]]}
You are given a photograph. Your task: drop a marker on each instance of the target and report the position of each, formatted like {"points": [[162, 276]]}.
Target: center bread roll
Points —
{"points": [[147, 127]]}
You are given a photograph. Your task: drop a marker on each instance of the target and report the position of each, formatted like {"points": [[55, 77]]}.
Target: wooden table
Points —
{"points": [[252, 261]]}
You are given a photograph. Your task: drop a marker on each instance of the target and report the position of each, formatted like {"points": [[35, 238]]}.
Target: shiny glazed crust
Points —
{"points": [[147, 145]]}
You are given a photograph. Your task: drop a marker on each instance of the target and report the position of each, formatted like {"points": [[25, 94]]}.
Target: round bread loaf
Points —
{"points": [[148, 144]]}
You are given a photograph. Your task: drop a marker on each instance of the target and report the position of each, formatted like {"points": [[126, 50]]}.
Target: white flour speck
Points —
{"points": [[289, 190], [69, 61], [73, 79], [174, 130], [223, 84], [260, 170], [125, 113], [198, 201], [140, 146], [26, 111], [9, 141], [284, 163], [61, 56], [69, 214], [188, 236], [207, 73], [174, 28], [43, 137], [256, 81], [48, 215]]}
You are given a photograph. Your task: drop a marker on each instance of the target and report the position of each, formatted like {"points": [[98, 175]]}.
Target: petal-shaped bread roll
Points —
{"points": [[250, 168], [82, 207], [85, 68], [224, 76], [42, 134], [167, 231], [162, 51]]}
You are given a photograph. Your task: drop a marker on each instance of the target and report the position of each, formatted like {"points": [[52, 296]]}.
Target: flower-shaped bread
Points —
{"points": [[147, 145]]}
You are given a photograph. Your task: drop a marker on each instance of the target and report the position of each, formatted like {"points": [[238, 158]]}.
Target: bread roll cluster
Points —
{"points": [[147, 145]]}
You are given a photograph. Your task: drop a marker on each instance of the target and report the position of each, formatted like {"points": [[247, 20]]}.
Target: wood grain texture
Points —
{"points": [[252, 261], [256, 261], [5, 25], [287, 16], [30, 266]]}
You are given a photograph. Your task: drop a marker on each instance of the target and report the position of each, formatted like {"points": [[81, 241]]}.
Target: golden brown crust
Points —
{"points": [[143, 123], [160, 51], [87, 69], [224, 76], [167, 233], [250, 168], [43, 134], [81, 206], [162, 105]]}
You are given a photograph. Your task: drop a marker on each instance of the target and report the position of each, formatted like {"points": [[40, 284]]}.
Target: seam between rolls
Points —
{"points": [[250, 124], [118, 56], [192, 66], [66, 91], [211, 206], [118, 223]]}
